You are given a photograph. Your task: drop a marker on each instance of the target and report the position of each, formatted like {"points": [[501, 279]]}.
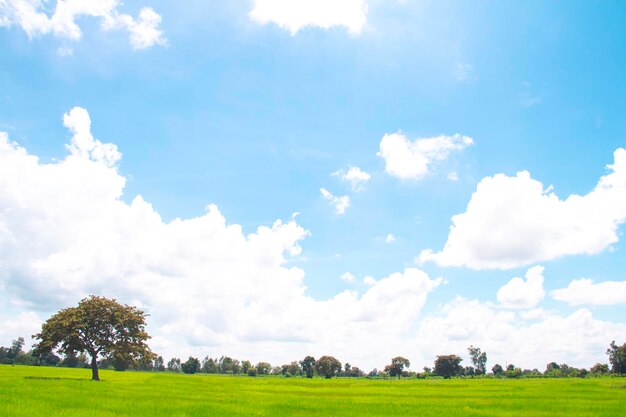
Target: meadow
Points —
{"points": [[51, 392]]}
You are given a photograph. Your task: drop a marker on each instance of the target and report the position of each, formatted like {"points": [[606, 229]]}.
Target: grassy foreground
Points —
{"points": [[51, 392]]}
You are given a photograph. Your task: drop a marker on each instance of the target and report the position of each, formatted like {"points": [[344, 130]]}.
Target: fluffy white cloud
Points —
{"points": [[66, 232], [390, 238], [355, 176], [408, 159], [520, 293], [31, 16], [340, 203], [515, 221], [347, 277], [369, 281], [294, 15], [528, 339], [585, 291]]}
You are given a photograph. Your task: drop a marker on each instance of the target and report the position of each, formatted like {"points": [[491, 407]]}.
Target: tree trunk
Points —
{"points": [[94, 368]]}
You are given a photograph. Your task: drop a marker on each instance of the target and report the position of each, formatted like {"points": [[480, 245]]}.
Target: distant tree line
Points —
{"points": [[102, 333], [445, 366]]}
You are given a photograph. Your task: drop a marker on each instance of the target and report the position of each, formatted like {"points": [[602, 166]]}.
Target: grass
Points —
{"points": [[52, 392]]}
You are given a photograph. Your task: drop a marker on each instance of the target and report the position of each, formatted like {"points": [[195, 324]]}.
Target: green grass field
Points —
{"points": [[34, 391]]}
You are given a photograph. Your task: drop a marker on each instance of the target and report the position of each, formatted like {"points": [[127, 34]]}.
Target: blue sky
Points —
{"points": [[250, 108]]}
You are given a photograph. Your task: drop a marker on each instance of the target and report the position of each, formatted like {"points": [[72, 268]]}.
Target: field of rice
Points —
{"points": [[39, 391]]}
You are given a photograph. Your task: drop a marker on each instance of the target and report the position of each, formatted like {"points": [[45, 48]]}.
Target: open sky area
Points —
{"points": [[270, 179]]}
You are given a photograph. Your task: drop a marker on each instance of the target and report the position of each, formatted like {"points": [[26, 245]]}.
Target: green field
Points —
{"points": [[34, 391]]}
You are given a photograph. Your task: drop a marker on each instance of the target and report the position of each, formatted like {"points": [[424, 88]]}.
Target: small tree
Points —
{"points": [[209, 365], [263, 368], [599, 369], [327, 366], [497, 369], [245, 365], [173, 365], [308, 366], [191, 366], [617, 357], [98, 327], [397, 366], [479, 360]]}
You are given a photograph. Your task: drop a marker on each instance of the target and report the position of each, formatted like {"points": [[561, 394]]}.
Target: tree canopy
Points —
{"points": [[479, 360], [308, 366], [327, 366], [397, 366], [99, 327], [448, 365], [617, 357]]}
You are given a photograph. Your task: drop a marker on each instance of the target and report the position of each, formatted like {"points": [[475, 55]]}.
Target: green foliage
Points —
{"points": [[327, 366], [617, 358], [227, 365], [191, 366], [263, 368], [497, 370], [308, 366], [98, 326], [292, 369], [479, 360], [173, 365], [448, 366], [397, 366], [600, 369], [209, 366]]}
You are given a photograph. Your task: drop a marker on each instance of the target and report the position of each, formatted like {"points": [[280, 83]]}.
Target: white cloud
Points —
{"points": [[340, 203], [390, 238], [529, 339], [369, 281], [294, 15], [585, 291], [515, 221], [520, 293], [407, 159], [355, 176], [66, 232], [31, 16], [347, 277], [83, 143], [453, 176]]}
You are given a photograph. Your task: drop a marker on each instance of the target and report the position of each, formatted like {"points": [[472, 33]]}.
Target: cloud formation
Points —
{"points": [[66, 232], [585, 291], [411, 160], [31, 16], [515, 221], [295, 15], [520, 293], [355, 176], [528, 339], [340, 203]]}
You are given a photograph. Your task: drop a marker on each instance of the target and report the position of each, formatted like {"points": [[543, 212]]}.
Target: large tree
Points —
{"points": [[397, 366], [99, 327], [617, 357], [327, 366], [448, 365], [479, 360]]}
